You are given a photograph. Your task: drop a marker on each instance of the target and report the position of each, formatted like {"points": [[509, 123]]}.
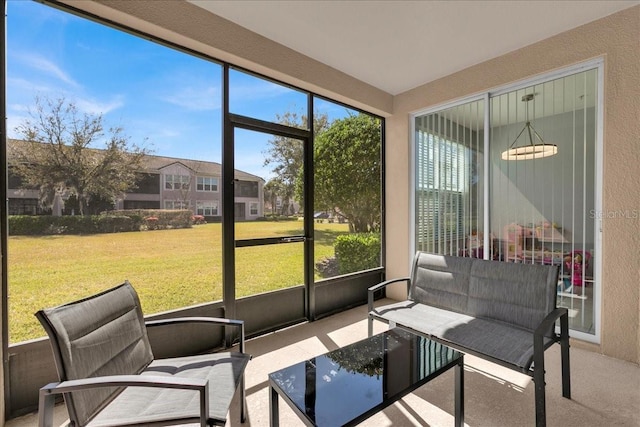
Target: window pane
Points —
{"points": [[448, 188], [163, 100], [262, 99], [267, 170], [347, 190], [268, 268]]}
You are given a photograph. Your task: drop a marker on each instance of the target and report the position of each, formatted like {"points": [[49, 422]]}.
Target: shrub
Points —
{"points": [[114, 224], [165, 218], [357, 251], [328, 267], [73, 225]]}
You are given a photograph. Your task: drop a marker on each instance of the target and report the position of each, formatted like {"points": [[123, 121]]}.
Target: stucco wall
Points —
{"points": [[615, 38]]}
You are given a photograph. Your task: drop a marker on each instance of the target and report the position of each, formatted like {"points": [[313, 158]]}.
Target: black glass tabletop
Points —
{"points": [[347, 384]]}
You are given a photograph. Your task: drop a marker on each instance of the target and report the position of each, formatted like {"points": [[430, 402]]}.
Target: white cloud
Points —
{"points": [[195, 98], [91, 106], [27, 86], [40, 63], [258, 90], [19, 107]]}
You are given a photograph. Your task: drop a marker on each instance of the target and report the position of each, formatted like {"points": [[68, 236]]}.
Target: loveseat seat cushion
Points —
{"points": [[223, 370], [495, 339]]}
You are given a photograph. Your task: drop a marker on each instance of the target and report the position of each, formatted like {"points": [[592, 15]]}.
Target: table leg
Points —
{"points": [[273, 408], [459, 420]]}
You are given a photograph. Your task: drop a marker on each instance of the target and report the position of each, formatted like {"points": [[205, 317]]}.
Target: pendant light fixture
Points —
{"points": [[531, 151]]}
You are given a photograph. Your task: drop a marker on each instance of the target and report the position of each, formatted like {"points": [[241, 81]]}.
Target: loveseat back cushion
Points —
{"points": [[516, 293], [101, 335], [440, 281]]}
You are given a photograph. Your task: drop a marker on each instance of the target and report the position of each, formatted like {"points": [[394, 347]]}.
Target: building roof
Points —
{"points": [[155, 164]]}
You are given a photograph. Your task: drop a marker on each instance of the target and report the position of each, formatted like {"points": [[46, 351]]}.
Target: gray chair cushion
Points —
{"points": [[440, 281], [519, 294], [101, 335], [495, 339], [140, 405]]}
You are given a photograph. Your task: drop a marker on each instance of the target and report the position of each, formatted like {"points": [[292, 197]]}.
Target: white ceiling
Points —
{"points": [[377, 41]]}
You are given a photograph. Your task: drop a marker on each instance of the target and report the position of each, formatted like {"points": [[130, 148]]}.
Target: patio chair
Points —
{"points": [[108, 374]]}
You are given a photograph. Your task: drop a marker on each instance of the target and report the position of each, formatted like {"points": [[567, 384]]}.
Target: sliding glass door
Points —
{"points": [[542, 207], [528, 195]]}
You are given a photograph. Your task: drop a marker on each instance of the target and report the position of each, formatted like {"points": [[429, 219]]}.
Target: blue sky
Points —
{"points": [[162, 98]]}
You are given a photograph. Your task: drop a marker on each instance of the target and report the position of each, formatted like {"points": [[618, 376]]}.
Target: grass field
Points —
{"points": [[169, 268]]}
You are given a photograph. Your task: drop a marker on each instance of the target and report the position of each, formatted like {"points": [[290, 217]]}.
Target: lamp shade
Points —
{"points": [[531, 151], [528, 152]]}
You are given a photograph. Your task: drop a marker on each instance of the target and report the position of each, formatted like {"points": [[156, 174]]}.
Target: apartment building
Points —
{"points": [[165, 183]]}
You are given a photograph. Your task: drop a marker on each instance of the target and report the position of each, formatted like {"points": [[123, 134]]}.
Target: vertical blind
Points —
{"points": [[448, 195], [542, 210]]}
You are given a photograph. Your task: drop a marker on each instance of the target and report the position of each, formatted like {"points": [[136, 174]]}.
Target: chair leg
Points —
{"points": [[45, 411], [243, 403], [564, 350], [370, 326], [538, 380]]}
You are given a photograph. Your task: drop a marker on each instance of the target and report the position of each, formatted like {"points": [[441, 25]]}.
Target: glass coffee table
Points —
{"points": [[348, 385]]}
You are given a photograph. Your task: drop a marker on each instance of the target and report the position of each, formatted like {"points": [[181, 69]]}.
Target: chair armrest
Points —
{"points": [[47, 393], [544, 326], [550, 319], [214, 320], [125, 381], [382, 285]]}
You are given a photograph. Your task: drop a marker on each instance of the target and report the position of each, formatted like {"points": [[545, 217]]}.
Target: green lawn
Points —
{"points": [[169, 268]]}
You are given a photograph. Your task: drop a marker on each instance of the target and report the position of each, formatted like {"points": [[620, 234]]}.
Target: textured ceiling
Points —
{"points": [[377, 41]]}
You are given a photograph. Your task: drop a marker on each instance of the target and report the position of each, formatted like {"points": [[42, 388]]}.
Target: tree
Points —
{"points": [[348, 171], [271, 191], [59, 155], [286, 155]]}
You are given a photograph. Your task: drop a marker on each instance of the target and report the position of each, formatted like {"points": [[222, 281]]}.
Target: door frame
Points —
{"points": [[229, 243]]}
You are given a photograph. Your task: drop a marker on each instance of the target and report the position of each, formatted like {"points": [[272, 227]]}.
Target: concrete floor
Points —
{"points": [[605, 391]]}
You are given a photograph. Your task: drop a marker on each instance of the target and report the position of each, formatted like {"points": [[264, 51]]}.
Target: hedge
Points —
{"points": [[107, 222], [358, 251], [48, 225]]}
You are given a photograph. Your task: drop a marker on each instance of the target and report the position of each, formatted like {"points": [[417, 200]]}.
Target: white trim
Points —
{"points": [[447, 105], [545, 77], [597, 257], [510, 87], [412, 187], [487, 178]]}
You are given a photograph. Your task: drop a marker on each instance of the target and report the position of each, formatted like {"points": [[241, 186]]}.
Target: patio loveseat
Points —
{"points": [[502, 312]]}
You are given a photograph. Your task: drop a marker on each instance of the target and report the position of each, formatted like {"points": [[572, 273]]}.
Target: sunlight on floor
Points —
{"points": [[497, 373]]}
